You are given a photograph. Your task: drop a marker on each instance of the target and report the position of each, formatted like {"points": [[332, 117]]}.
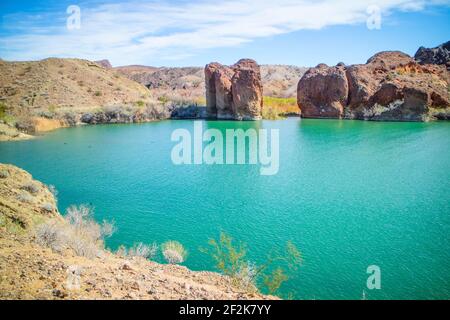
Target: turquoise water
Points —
{"points": [[349, 194]]}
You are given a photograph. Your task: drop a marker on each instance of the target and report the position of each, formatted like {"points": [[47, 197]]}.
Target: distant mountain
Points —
{"points": [[104, 63], [189, 82]]}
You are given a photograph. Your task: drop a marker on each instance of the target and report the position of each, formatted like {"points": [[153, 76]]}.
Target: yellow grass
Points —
{"points": [[276, 108]]}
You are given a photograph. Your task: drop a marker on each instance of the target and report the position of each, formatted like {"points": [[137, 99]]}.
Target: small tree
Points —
{"points": [[231, 260]]}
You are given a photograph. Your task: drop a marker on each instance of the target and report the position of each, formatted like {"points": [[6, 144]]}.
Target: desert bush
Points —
{"points": [[140, 103], [270, 113], [163, 99], [47, 114], [25, 197], [138, 250], [274, 280], [31, 187], [79, 232], [25, 123], [174, 252], [48, 207], [81, 220], [97, 93], [143, 250], [246, 276], [4, 174], [51, 235], [3, 109], [53, 190], [231, 260]]}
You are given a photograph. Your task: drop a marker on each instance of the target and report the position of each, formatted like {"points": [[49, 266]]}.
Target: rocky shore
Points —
{"points": [[29, 270]]}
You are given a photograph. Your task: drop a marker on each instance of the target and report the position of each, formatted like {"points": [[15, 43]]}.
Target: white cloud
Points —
{"points": [[136, 32]]}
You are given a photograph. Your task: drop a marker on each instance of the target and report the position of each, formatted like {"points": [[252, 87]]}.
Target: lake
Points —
{"points": [[348, 194]]}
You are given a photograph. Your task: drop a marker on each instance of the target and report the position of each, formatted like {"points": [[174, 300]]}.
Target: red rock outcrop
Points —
{"points": [[210, 89], [234, 92], [323, 92], [391, 86], [224, 96]]}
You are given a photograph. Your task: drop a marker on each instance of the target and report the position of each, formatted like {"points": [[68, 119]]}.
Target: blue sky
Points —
{"points": [[193, 33]]}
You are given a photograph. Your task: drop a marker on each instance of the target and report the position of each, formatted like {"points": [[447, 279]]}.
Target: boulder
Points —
{"points": [[323, 92]]}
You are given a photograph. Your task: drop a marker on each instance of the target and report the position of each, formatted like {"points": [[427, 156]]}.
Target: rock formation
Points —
{"points": [[323, 92], [391, 86], [438, 55], [234, 92]]}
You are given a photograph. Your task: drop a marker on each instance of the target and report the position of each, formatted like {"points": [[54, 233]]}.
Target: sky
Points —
{"points": [[196, 32]]}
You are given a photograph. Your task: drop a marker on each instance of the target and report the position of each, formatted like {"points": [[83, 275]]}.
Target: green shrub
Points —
{"points": [[97, 93], [163, 99], [274, 108], [140, 103], [231, 260], [3, 109]]}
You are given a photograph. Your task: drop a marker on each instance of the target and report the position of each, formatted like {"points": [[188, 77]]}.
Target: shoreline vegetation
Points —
{"points": [[45, 255]]}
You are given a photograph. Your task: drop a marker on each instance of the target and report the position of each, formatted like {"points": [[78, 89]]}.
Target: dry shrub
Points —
{"points": [[79, 232], [138, 250], [31, 188], [174, 252]]}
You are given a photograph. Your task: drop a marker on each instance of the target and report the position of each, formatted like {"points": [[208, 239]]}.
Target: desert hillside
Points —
{"points": [[38, 96], [65, 83], [36, 263], [189, 82]]}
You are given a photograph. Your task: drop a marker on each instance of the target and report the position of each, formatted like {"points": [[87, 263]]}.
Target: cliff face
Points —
{"points": [[391, 86], [234, 92], [29, 270]]}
